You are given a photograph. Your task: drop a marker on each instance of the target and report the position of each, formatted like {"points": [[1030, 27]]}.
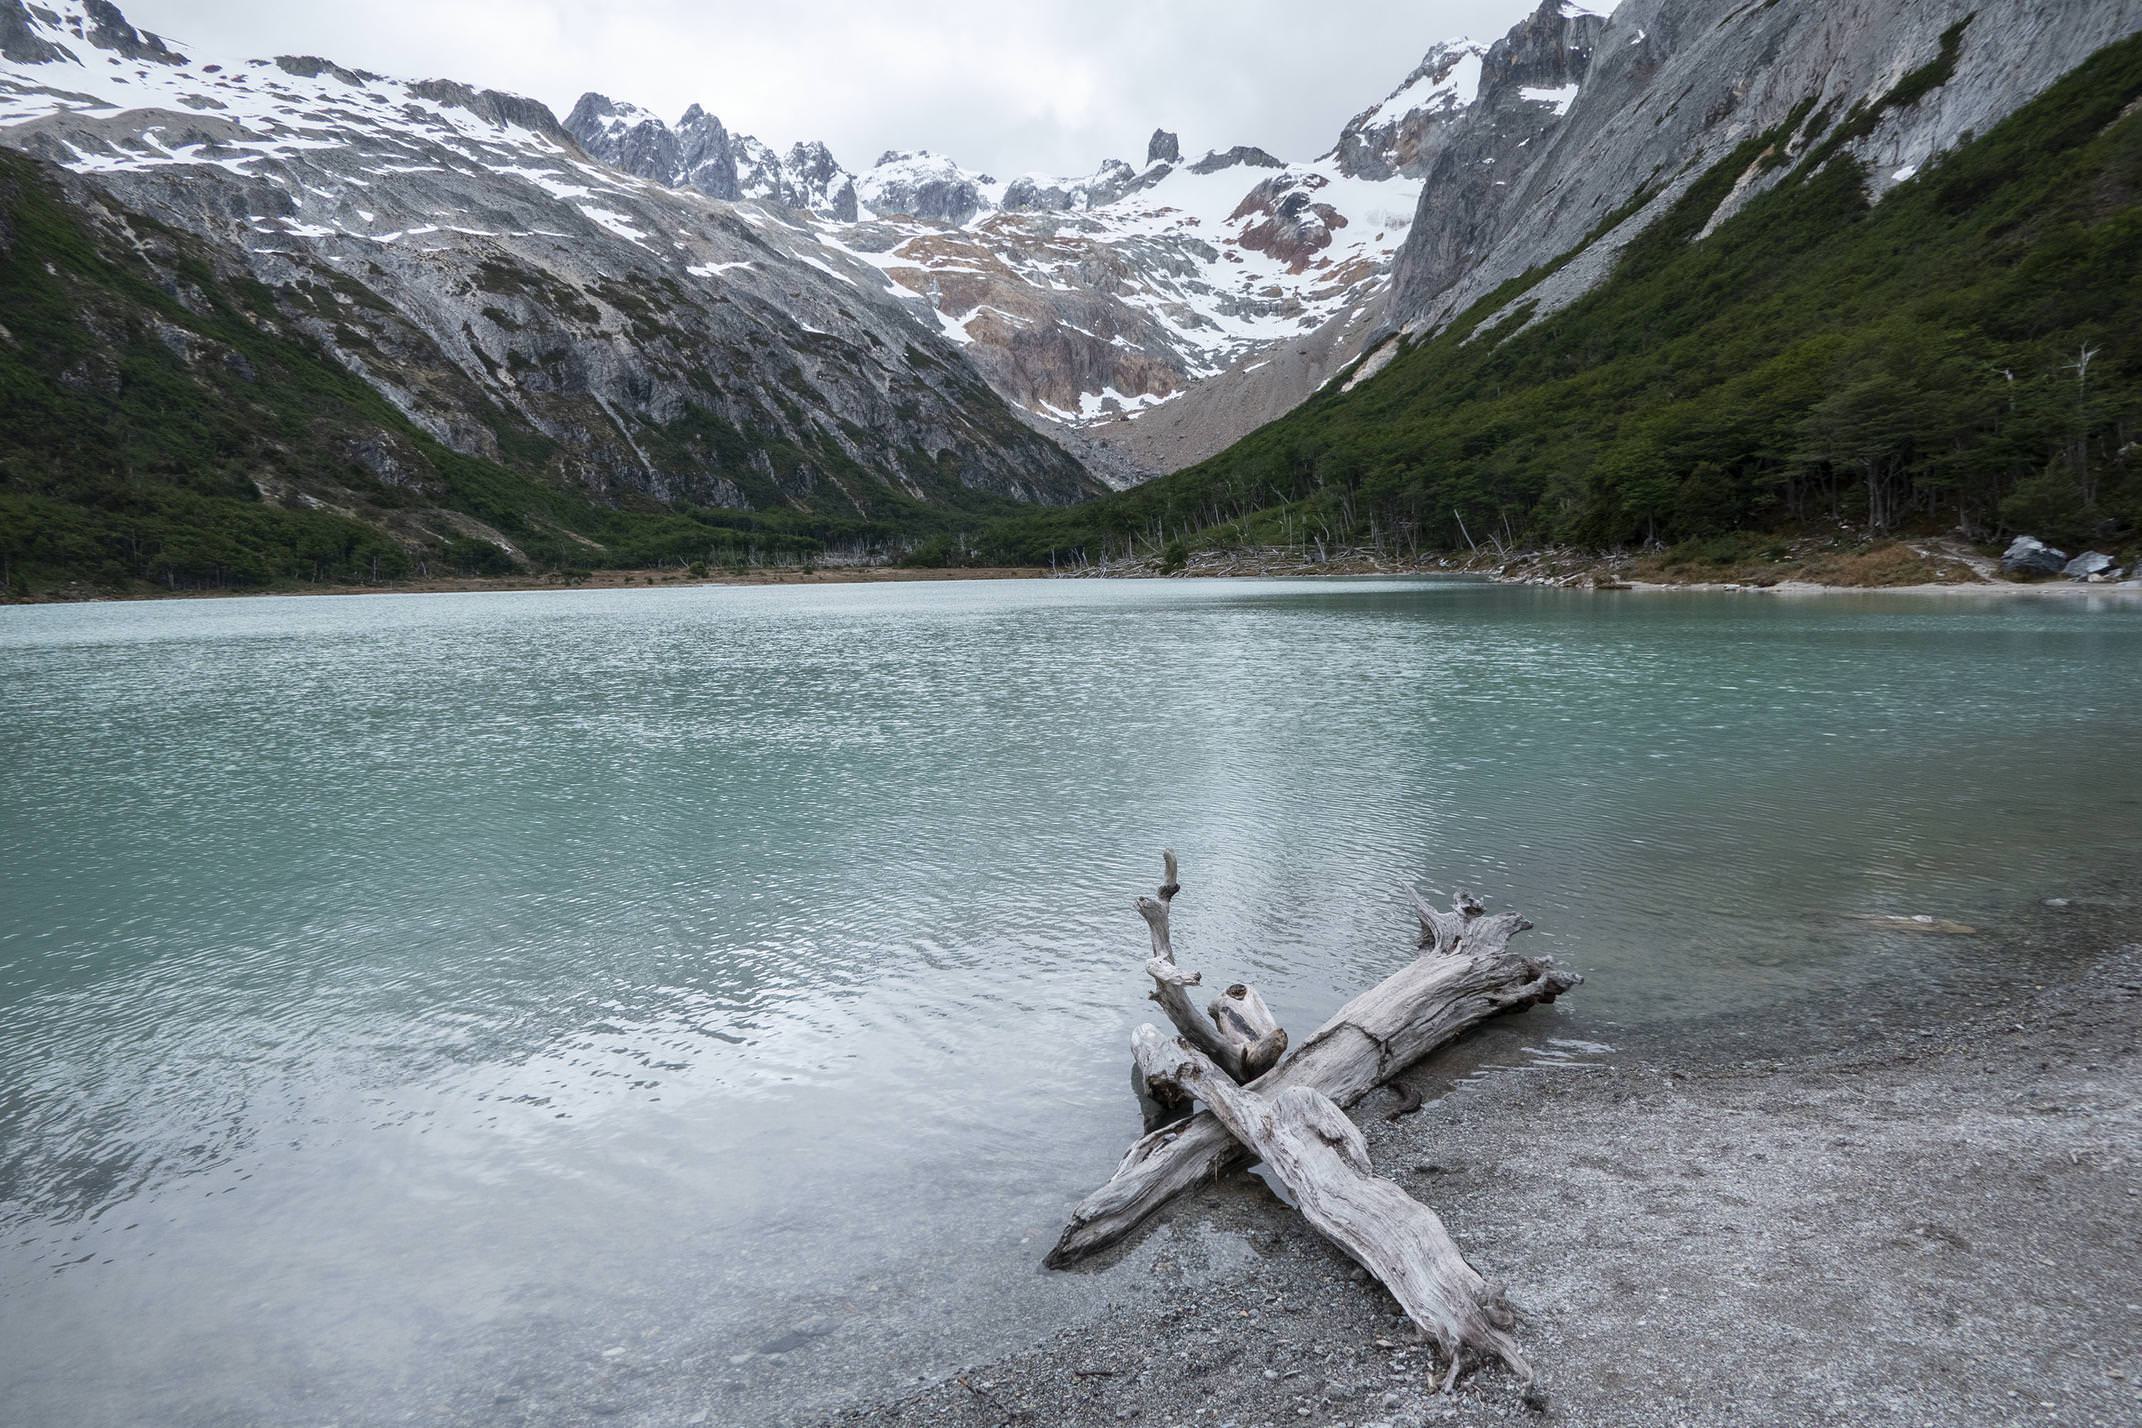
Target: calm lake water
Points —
{"points": [[535, 1007]]}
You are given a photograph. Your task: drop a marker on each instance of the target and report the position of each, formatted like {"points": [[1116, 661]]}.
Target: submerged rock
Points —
{"points": [[2089, 563], [2027, 555]]}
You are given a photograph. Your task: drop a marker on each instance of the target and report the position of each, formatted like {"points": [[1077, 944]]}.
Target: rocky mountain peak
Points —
{"points": [[920, 184], [1391, 137], [626, 137], [706, 157], [700, 153], [22, 40], [1163, 148], [109, 30]]}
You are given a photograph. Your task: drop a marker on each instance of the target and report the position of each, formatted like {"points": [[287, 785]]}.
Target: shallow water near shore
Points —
{"points": [[540, 1007]]}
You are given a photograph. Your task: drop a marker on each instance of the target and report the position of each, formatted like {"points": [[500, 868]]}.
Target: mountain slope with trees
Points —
{"points": [[166, 420], [1962, 353]]}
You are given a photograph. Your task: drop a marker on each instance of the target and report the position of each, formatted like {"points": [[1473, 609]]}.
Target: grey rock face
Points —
{"points": [[312, 67], [505, 110], [1395, 136], [2027, 555], [108, 30], [2084, 566], [23, 41], [1107, 184], [705, 158], [817, 182], [1163, 148], [700, 153], [626, 138], [1247, 154], [925, 186], [1668, 88], [1469, 165]]}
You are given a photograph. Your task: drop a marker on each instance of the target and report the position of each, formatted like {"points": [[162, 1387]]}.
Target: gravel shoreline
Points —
{"points": [[1929, 1217]]}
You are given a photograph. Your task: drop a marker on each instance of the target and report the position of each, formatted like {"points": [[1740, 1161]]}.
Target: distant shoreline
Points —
{"points": [[1964, 575]]}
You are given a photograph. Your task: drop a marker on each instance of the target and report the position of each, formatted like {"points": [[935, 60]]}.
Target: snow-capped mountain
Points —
{"points": [[1093, 300], [619, 279], [463, 253]]}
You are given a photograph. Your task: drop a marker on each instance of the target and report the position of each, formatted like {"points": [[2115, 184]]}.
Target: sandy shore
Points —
{"points": [[1928, 1217]]}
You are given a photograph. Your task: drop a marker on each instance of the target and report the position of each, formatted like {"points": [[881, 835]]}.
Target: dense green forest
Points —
{"points": [[164, 424], [1962, 354]]}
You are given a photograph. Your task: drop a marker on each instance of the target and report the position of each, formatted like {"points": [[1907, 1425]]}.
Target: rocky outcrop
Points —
{"points": [[2089, 564], [1468, 167], [699, 153], [2027, 555], [109, 30], [924, 185], [1104, 186], [1290, 224], [705, 158], [1163, 148], [24, 42], [1394, 137], [627, 138], [1239, 155], [815, 181], [507, 111]]}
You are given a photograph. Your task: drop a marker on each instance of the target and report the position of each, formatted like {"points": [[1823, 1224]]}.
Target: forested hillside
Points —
{"points": [[165, 423], [1963, 353]]}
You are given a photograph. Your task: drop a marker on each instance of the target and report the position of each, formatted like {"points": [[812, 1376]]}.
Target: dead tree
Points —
{"points": [[1237, 1031], [1307, 1141], [1463, 975]]}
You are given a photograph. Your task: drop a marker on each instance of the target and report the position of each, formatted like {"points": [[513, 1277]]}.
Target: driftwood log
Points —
{"points": [[1464, 974], [1237, 1030], [1306, 1140]]}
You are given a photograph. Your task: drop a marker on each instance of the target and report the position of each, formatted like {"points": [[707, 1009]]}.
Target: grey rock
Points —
{"points": [[492, 105], [1163, 148], [923, 185], [817, 182], [1397, 136], [2027, 555], [1240, 154], [2084, 566], [312, 67], [626, 137], [705, 159], [24, 42], [1667, 89], [109, 30], [1105, 185]]}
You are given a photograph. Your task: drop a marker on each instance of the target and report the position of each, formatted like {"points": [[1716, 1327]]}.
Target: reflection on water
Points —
{"points": [[535, 1006]]}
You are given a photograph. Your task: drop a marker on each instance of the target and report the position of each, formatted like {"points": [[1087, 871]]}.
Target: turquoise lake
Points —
{"points": [[535, 1008]]}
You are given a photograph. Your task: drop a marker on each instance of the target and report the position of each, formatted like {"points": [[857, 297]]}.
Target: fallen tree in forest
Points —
{"points": [[1463, 974]]}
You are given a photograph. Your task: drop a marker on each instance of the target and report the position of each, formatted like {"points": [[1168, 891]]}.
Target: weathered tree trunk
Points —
{"points": [[1238, 1032], [1464, 974], [1316, 1152]]}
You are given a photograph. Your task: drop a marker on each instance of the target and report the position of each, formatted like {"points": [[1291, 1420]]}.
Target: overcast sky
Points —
{"points": [[1003, 85]]}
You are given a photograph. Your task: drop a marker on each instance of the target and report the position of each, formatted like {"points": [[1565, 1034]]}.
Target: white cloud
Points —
{"points": [[1052, 85]]}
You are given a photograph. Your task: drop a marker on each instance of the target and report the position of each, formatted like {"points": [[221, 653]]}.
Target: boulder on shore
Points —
{"points": [[2027, 555], [2089, 563]]}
